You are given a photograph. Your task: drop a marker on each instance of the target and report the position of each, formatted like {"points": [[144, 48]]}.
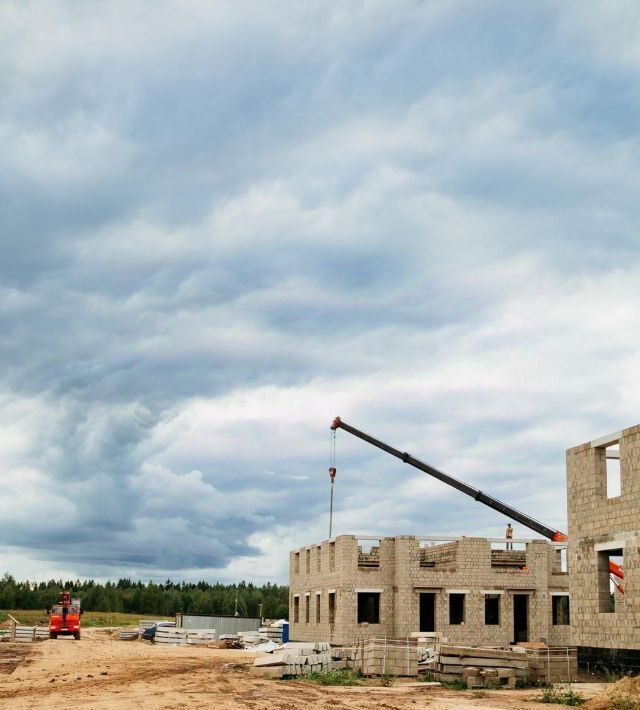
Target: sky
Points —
{"points": [[224, 223]]}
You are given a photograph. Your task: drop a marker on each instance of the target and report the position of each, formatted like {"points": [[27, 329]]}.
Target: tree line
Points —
{"points": [[136, 597]]}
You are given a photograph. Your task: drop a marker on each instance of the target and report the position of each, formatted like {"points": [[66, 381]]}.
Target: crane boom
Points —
{"points": [[472, 492]]}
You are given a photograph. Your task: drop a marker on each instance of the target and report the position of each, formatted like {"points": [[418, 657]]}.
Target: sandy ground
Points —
{"points": [[101, 672]]}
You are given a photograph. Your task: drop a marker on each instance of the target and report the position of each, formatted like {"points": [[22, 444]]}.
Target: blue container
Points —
{"points": [[285, 632]]}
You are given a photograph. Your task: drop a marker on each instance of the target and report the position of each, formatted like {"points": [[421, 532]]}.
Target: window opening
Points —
{"points": [[308, 561], [296, 563], [560, 610], [610, 598], [332, 607], [332, 557], [318, 599], [296, 610], [614, 482], [456, 608], [306, 608], [492, 609], [368, 607], [368, 553], [319, 559]]}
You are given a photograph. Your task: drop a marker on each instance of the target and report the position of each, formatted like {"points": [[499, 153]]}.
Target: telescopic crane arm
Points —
{"points": [[474, 493]]}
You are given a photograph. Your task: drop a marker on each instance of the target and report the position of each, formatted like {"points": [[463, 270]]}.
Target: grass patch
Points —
{"points": [[561, 696], [337, 676], [454, 685], [31, 617]]}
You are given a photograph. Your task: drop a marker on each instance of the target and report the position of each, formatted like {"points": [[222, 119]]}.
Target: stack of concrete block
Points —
{"points": [[170, 635], [271, 633], [553, 665], [476, 677], [457, 663], [397, 657], [201, 637], [296, 659], [182, 637], [28, 634], [346, 653]]}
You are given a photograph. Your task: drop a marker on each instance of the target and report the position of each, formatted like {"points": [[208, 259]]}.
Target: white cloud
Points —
{"points": [[222, 229]]}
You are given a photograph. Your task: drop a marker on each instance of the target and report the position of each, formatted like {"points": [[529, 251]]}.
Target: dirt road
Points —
{"points": [[101, 672]]}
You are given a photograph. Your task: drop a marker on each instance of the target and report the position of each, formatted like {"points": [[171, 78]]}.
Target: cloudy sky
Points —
{"points": [[224, 223]]}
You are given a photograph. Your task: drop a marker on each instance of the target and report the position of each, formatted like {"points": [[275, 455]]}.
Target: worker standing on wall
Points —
{"points": [[509, 535]]}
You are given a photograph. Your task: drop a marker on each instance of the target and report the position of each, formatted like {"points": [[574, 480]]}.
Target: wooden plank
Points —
{"points": [[484, 662], [471, 652]]}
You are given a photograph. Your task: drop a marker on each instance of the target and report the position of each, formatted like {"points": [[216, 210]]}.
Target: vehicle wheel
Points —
{"points": [[53, 636], [76, 635]]}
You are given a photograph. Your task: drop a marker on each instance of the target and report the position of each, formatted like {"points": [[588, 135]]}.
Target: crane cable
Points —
{"points": [[332, 475]]}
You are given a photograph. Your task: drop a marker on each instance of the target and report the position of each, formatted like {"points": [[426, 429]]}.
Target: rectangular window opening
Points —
{"points": [[332, 607], [296, 563], [319, 559], [560, 610], [308, 561], [368, 553], [456, 608], [614, 481], [318, 599], [332, 557], [296, 610], [368, 607], [610, 597], [306, 609], [492, 609]]}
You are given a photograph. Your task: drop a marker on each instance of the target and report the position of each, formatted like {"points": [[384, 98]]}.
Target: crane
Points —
{"points": [[513, 513]]}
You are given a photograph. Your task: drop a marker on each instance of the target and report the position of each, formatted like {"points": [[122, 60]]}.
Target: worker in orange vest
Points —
{"points": [[509, 536]]}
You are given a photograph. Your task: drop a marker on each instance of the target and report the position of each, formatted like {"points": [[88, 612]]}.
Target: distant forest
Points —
{"points": [[164, 599]]}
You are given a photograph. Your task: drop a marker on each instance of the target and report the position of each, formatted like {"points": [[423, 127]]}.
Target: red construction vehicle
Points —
{"points": [[513, 513], [64, 617]]}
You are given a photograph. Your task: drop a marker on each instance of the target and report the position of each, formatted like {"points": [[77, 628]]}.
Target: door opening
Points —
{"points": [[427, 611], [520, 617]]}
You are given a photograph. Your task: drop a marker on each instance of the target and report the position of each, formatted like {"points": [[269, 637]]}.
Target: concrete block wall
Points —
{"points": [[463, 566], [596, 523]]}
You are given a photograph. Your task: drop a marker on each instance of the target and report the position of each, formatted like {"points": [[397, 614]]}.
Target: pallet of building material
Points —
{"points": [[397, 657], [451, 660], [273, 633], [168, 635], [553, 664]]}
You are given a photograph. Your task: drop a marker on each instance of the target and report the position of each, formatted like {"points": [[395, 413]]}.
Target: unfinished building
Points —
{"points": [[472, 590], [603, 492]]}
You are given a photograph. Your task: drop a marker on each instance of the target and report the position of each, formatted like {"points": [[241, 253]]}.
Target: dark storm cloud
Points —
{"points": [[223, 224]]}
